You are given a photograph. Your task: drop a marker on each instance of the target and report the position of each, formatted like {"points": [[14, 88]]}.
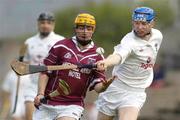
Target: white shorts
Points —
{"points": [[115, 98], [30, 92], [48, 112]]}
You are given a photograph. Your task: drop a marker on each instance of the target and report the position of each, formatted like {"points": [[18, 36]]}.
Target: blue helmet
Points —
{"points": [[143, 14]]}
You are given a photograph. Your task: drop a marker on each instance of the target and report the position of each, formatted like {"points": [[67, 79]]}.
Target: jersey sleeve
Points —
{"points": [[98, 76], [123, 49], [51, 59]]}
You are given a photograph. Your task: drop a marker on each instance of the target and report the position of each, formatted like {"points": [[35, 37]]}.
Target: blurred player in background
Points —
{"points": [[133, 59], [9, 92], [78, 49], [38, 48]]}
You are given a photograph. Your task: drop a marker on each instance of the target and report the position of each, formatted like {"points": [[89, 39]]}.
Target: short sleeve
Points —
{"points": [[123, 49], [51, 59], [98, 76]]}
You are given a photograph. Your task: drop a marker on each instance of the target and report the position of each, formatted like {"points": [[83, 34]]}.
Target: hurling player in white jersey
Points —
{"points": [[38, 48], [133, 60]]}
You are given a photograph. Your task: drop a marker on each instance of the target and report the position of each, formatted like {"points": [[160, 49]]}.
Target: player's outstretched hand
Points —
{"points": [[101, 66]]}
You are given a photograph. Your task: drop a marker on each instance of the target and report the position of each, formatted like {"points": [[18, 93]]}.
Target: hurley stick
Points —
{"points": [[22, 52]]}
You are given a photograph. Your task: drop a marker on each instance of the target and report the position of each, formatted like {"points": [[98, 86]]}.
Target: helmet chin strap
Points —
{"points": [[83, 42]]}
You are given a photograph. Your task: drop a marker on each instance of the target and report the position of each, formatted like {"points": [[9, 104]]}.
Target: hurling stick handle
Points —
{"points": [[61, 67], [71, 66]]}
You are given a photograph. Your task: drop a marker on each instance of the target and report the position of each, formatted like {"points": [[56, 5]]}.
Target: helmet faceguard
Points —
{"points": [[145, 14]]}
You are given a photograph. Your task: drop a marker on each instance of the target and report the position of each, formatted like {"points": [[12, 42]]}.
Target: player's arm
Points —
{"points": [[121, 52], [111, 60], [42, 83], [103, 85], [43, 80], [51, 59]]}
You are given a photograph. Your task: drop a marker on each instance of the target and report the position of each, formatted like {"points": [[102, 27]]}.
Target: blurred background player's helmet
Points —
{"points": [[85, 19], [145, 14], [46, 16]]}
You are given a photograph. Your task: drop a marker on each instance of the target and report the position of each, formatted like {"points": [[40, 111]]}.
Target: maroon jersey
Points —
{"points": [[79, 80]]}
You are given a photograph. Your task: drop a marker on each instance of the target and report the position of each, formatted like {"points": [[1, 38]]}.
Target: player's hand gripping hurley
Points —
{"points": [[62, 89]]}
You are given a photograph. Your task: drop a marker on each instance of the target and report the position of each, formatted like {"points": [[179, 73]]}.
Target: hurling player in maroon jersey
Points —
{"points": [[79, 49]]}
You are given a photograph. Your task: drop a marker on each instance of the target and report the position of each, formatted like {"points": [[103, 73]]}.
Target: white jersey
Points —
{"points": [[138, 59], [38, 49], [9, 85]]}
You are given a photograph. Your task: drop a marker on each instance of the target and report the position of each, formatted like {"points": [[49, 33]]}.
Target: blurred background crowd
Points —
{"points": [[18, 22]]}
